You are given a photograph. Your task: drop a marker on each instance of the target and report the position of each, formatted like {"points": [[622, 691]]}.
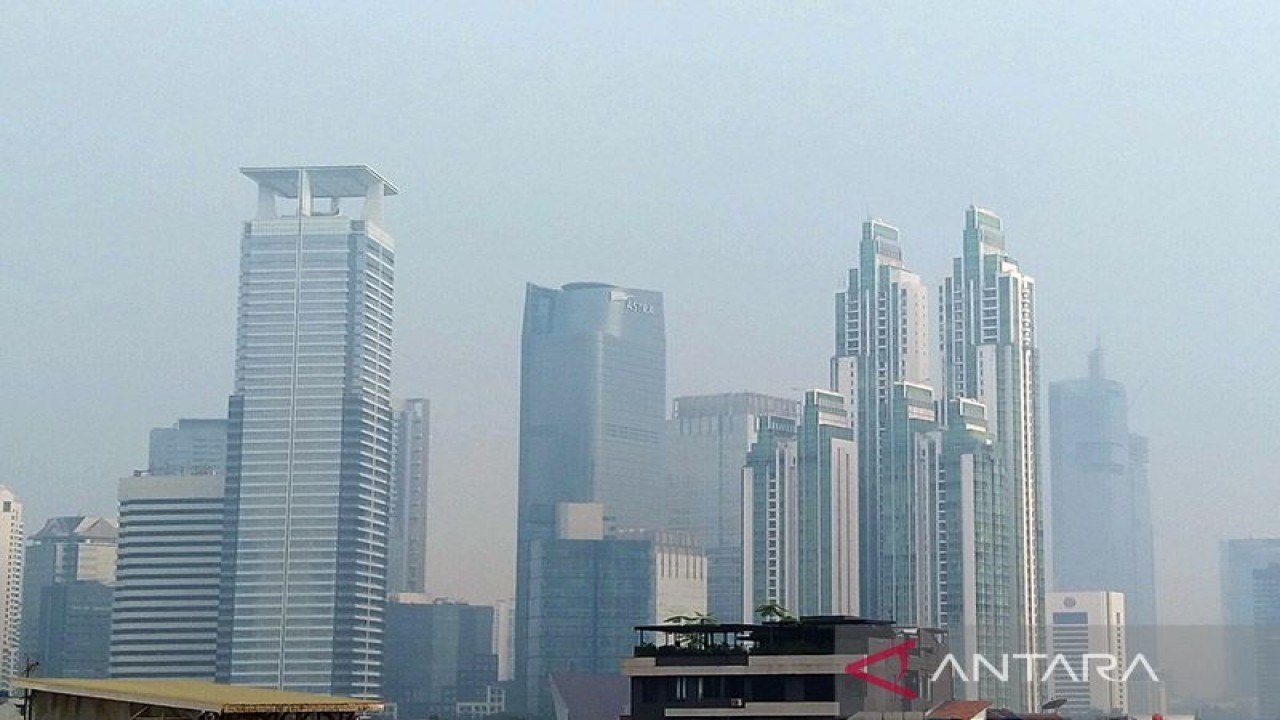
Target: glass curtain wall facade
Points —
{"points": [[882, 367], [987, 309], [708, 441], [309, 439], [592, 424]]}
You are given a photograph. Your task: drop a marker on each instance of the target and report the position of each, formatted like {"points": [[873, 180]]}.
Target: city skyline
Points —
{"points": [[726, 161]]}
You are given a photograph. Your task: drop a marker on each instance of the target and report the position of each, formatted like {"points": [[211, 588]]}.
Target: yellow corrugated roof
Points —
{"points": [[198, 695]]}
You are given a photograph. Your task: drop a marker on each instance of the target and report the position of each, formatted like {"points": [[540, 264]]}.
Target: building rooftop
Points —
{"points": [[198, 695], [327, 181]]}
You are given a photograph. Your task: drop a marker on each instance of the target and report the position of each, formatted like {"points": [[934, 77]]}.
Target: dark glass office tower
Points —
{"points": [[592, 415], [309, 438]]}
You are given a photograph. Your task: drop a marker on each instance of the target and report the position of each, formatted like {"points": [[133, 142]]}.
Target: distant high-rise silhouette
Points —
{"points": [[1250, 604], [192, 446], [407, 544], [592, 417], [1101, 509], [989, 353], [309, 442]]}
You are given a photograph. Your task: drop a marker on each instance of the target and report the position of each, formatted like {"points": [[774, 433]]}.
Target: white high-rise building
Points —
{"points": [[12, 554], [882, 367], [827, 508], [504, 637], [987, 307], [309, 438], [1087, 633], [164, 617]]}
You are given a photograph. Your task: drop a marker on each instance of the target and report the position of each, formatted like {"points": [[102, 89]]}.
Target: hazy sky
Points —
{"points": [[722, 153]]}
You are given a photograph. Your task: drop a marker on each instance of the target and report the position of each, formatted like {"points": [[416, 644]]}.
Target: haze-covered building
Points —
{"points": [[309, 441], [708, 441], [990, 355], [592, 421], [882, 366], [589, 586], [164, 619], [81, 550]]}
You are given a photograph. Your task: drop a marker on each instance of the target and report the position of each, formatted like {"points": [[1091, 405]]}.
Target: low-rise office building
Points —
{"points": [[814, 667]]}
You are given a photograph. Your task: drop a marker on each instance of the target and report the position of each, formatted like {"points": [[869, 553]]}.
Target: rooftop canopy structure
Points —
{"points": [[58, 699], [305, 183]]}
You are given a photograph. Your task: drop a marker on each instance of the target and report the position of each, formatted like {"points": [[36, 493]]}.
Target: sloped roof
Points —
{"points": [[199, 695]]}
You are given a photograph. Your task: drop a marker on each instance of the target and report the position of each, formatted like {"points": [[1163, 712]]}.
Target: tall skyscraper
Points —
{"points": [[977, 551], [309, 441], [193, 446], [1101, 511], [592, 418], [708, 439], [164, 619], [989, 351], [12, 554], [882, 367], [1083, 624], [77, 549], [827, 508], [407, 545]]}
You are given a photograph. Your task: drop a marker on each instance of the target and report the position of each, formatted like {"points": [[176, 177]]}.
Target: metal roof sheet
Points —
{"points": [[198, 695]]}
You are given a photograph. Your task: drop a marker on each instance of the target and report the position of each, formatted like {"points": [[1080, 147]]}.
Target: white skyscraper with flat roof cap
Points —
{"points": [[309, 439]]}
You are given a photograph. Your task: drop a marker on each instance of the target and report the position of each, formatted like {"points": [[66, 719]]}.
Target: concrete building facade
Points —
{"points": [[12, 558], [164, 619], [1084, 624]]}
